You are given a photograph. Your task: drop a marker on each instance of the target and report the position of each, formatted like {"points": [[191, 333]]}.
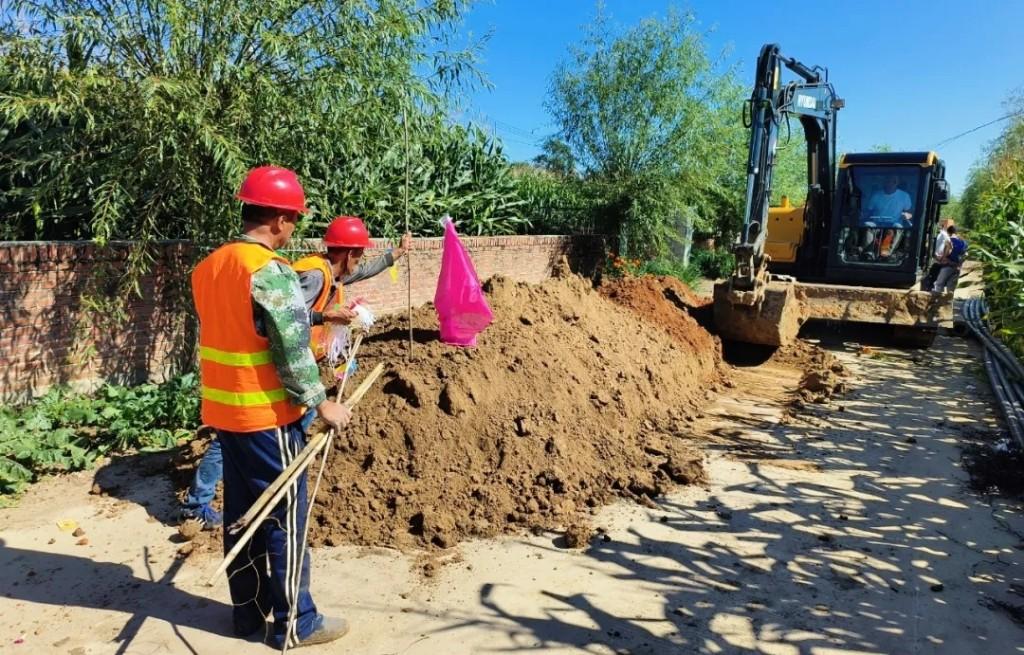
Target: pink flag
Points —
{"points": [[461, 306]]}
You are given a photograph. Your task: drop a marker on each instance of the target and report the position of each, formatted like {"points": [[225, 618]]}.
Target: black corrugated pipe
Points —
{"points": [[1008, 392]]}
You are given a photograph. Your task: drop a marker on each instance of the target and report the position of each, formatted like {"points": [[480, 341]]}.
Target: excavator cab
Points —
{"points": [[885, 212]]}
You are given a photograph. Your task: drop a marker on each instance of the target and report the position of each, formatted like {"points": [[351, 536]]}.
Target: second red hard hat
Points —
{"points": [[347, 232]]}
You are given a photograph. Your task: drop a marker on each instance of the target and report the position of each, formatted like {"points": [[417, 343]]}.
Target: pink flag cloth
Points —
{"points": [[461, 307]]}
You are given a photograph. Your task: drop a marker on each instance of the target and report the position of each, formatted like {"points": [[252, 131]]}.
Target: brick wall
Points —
{"points": [[56, 328], [53, 332]]}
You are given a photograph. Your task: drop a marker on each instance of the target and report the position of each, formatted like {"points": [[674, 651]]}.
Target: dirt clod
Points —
{"points": [[190, 529], [79, 532], [578, 536], [84, 541]]}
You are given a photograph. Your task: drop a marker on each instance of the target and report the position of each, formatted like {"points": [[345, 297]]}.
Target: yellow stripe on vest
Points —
{"points": [[243, 398], [234, 359]]}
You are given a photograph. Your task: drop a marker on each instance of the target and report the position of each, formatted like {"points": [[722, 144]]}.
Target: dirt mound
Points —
{"points": [[669, 304], [553, 414]]}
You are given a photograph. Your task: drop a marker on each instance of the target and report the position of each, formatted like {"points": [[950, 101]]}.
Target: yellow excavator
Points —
{"points": [[856, 250]]}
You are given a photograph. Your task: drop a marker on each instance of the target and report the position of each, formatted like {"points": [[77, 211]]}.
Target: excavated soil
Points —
{"points": [[672, 306], [553, 414], [573, 397]]}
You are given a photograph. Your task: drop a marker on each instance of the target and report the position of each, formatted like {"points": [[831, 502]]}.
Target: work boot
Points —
{"points": [[330, 629]]}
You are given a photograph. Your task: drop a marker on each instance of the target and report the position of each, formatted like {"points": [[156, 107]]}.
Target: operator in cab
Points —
{"points": [[891, 207]]}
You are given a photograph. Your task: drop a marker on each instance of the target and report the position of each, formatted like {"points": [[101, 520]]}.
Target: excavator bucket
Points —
{"points": [[770, 316], [774, 315]]}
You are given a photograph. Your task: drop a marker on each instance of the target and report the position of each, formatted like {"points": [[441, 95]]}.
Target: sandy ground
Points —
{"points": [[826, 529]]}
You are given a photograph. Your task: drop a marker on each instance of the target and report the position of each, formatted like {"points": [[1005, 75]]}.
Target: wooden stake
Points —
{"points": [[293, 610], [281, 484], [361, 390], [274, 490]]}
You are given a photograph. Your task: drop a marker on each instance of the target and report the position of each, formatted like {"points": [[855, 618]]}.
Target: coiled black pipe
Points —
{"points": [[1000, 364]]}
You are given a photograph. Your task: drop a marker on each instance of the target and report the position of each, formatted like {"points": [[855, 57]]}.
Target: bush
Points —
{"points": [[617, 267], [672, 268], [64, 431], [713, 264]]}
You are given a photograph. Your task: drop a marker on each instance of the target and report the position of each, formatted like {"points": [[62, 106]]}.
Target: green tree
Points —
{"points": [[652, 121], [138, 119], [789, 177], [557, 157]]}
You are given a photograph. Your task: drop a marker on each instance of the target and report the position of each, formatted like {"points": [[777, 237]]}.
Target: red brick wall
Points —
{"points": [[52, 331], [53, 334]]}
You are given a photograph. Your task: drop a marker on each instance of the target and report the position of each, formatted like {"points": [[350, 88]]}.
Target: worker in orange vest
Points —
{"points": [[258, 377], [323, 276]]}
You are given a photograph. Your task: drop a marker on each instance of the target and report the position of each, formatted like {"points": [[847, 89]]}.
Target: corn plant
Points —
{"points": [[993, 206]]}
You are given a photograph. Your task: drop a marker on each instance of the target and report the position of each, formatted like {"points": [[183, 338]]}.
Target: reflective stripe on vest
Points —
{"points": [[241, 391], [244, 399], [234, 359]]}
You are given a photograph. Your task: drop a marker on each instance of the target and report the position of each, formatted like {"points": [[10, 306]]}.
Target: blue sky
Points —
{"points": [[913, 73]]}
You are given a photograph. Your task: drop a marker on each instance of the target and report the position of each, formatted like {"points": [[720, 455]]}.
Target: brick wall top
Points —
{"points": [[471, 242]]}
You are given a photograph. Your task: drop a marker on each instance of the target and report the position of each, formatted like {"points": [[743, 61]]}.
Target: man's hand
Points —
{"points": [[404, 246], [334, 414], [341, 315]]}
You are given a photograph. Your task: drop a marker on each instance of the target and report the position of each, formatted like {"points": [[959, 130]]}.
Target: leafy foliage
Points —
{"points": [[993, 206], [63, 431], [138, 119], [713, 264], [555, 203], [617, 266], [652, 123], [789, 177]]}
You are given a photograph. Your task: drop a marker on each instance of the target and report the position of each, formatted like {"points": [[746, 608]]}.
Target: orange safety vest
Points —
{"points": [[241, 391], [319, 334]]}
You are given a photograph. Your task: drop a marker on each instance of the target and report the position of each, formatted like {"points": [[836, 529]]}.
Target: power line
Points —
{"points": [[975, 129]]}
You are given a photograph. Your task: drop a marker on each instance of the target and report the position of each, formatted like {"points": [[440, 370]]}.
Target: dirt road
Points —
{"points": [[826, 529]]}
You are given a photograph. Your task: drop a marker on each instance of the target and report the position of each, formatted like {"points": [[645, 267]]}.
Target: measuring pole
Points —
{"points": [[408, 255]]}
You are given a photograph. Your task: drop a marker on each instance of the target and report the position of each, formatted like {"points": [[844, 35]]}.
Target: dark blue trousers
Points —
{"points": [[264, 575]]}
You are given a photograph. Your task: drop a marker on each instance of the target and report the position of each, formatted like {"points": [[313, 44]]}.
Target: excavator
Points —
{"points": [[857, 248]]}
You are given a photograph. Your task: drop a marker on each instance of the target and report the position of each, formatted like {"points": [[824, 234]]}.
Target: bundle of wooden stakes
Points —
{"points": [[273, 494]]}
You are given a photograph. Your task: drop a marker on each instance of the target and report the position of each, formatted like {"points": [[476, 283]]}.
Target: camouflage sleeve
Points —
{"points": [[277, 296]]}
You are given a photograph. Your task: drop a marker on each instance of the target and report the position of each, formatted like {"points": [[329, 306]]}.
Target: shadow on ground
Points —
{"points": [[877, 547]]}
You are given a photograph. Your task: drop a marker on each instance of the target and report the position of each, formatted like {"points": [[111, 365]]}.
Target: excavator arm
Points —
{"points": [[813, 100]]}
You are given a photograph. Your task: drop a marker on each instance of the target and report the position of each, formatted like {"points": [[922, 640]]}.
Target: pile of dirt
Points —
{"points": [[671, 305], [823, 375], [553, 414]]}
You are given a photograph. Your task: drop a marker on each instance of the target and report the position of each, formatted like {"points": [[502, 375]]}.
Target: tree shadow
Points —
{"points": [[60, 580], [868, 559]]}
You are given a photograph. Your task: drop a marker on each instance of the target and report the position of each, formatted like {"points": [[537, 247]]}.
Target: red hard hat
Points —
{"points": [[347, 232], [273, 186]]}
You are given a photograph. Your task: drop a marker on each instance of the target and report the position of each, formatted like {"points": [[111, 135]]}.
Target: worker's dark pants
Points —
{"points": [[929, 280], [264, 575]]}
